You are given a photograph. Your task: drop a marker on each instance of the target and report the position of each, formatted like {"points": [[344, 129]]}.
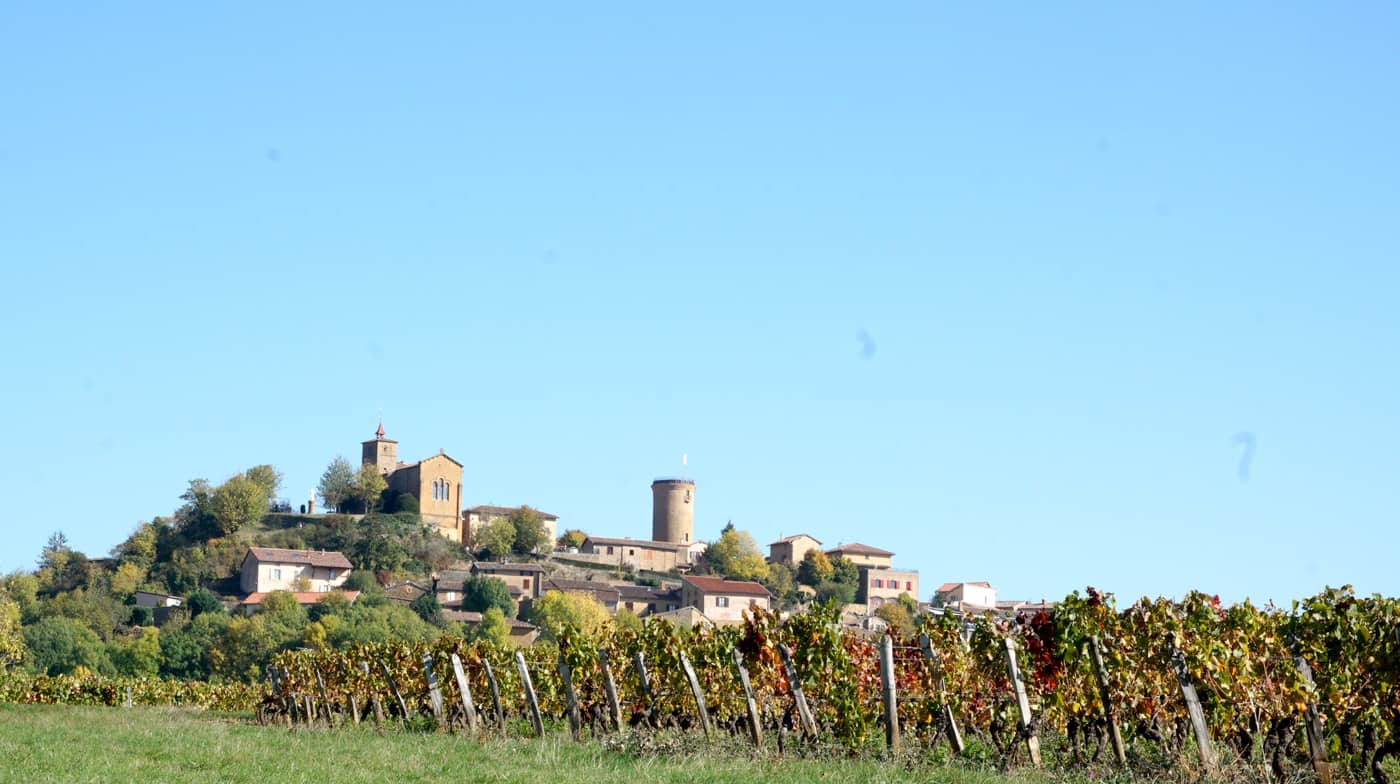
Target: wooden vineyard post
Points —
{"points": [[1317, 743], [1101, 676], [394, 687], [954, 735], [434, 691], [374, 703], [566, 677], [1193, 708], [1022, 703], [610, 689], [350, 694], [891, 698], [804, 713], [310, 710], [464, 690], [640, 662], [529, 688], [495, 695], [128, 697], [755, 726], [699, 694], [325, 700]]}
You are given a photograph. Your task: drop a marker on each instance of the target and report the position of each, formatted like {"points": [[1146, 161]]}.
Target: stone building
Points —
{"points": [[436, 482], [791, 550]]}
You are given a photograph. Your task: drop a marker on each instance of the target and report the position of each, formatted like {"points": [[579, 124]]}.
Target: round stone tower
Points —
{"points": [[673, 511]]}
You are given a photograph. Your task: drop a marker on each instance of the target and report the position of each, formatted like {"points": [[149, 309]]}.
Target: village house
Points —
{"points": [[475, 518], [521, 633], [523, 579], [879, 586], [968, 597], [154, 600], [274, 569], [723, 601], [863, 555], [638, 553], [791, 550], [645, 600], [405, 592]]}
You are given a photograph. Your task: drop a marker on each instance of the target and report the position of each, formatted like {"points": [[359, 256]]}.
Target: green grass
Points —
{"points": [[83, 744]]}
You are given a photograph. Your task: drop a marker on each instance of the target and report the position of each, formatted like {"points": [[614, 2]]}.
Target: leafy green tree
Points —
{"points": [[839, 592], [735, 556], [572, 538], [23, 589], [480, 593], [530, 532], [897, 616], [267, 478], [96, 609], [556, 610], [780, 581], [369, 485], [814, 568], [406, 503], [139, 655], [910, 604], [376, 543], [12, 648], [202, 601], [496, 537], [493, 628], [427, 607], [195, 519], [139, 549], [238, 503], [60, 645], [337, 484], [143, 616], [333, 603], [843, 570], [185, 652]]}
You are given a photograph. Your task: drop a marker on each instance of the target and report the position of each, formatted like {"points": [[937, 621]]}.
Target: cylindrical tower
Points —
{"points": [[673, 511]]}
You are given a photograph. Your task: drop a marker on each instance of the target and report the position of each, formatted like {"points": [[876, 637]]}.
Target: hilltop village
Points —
{"points": [[673, 574], [391, 550]]}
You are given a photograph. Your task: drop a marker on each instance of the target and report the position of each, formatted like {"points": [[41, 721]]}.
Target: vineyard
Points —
{"points": [[1183, 685]]}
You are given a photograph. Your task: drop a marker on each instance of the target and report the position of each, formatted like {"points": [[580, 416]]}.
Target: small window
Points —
{"points": [[721, 601], [525, 583], [610, 550], [631, 551], [879, 583], [908, 586], [276, 574]]}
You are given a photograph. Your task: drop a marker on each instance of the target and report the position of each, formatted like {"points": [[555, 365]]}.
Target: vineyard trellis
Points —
{"points": [[1095, 676]]}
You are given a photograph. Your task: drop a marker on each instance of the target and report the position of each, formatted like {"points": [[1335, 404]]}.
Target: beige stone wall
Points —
{"points": [[793, 552], [382, 454], [892, 583], [638, 557], [673, 511]]}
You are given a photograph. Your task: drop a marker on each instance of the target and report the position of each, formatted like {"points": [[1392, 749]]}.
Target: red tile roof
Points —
{"points": [[717, 585], [330, 560], [794, 538], [857, 548], [303, 597]]}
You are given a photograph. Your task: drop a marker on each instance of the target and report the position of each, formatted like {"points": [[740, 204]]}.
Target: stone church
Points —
{"points": [[436, 482]]}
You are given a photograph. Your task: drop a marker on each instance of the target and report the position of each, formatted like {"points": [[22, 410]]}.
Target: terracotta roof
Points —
{"points": [[648, 544], [604, 592], [491, 566], [302, 597], [405, 591], [859, 549], [642, 592], [509, 510], [328, 559], [471, 616], [794, 538], [719, 585]]}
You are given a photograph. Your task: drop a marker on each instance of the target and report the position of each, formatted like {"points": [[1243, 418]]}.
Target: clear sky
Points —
{"points": [[999, 289]]}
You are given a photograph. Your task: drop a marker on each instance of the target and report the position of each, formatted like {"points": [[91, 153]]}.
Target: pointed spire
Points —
{"points": [[380, 432]]}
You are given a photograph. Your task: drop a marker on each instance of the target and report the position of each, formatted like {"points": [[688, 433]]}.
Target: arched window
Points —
{"points": [[446, 490], [435, 490]]}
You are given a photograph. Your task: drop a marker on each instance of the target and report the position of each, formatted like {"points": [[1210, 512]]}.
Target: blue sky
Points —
{"points": [[995, 289]]}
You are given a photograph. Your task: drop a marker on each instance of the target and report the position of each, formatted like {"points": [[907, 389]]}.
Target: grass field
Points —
{"points": [[40, 743]]}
